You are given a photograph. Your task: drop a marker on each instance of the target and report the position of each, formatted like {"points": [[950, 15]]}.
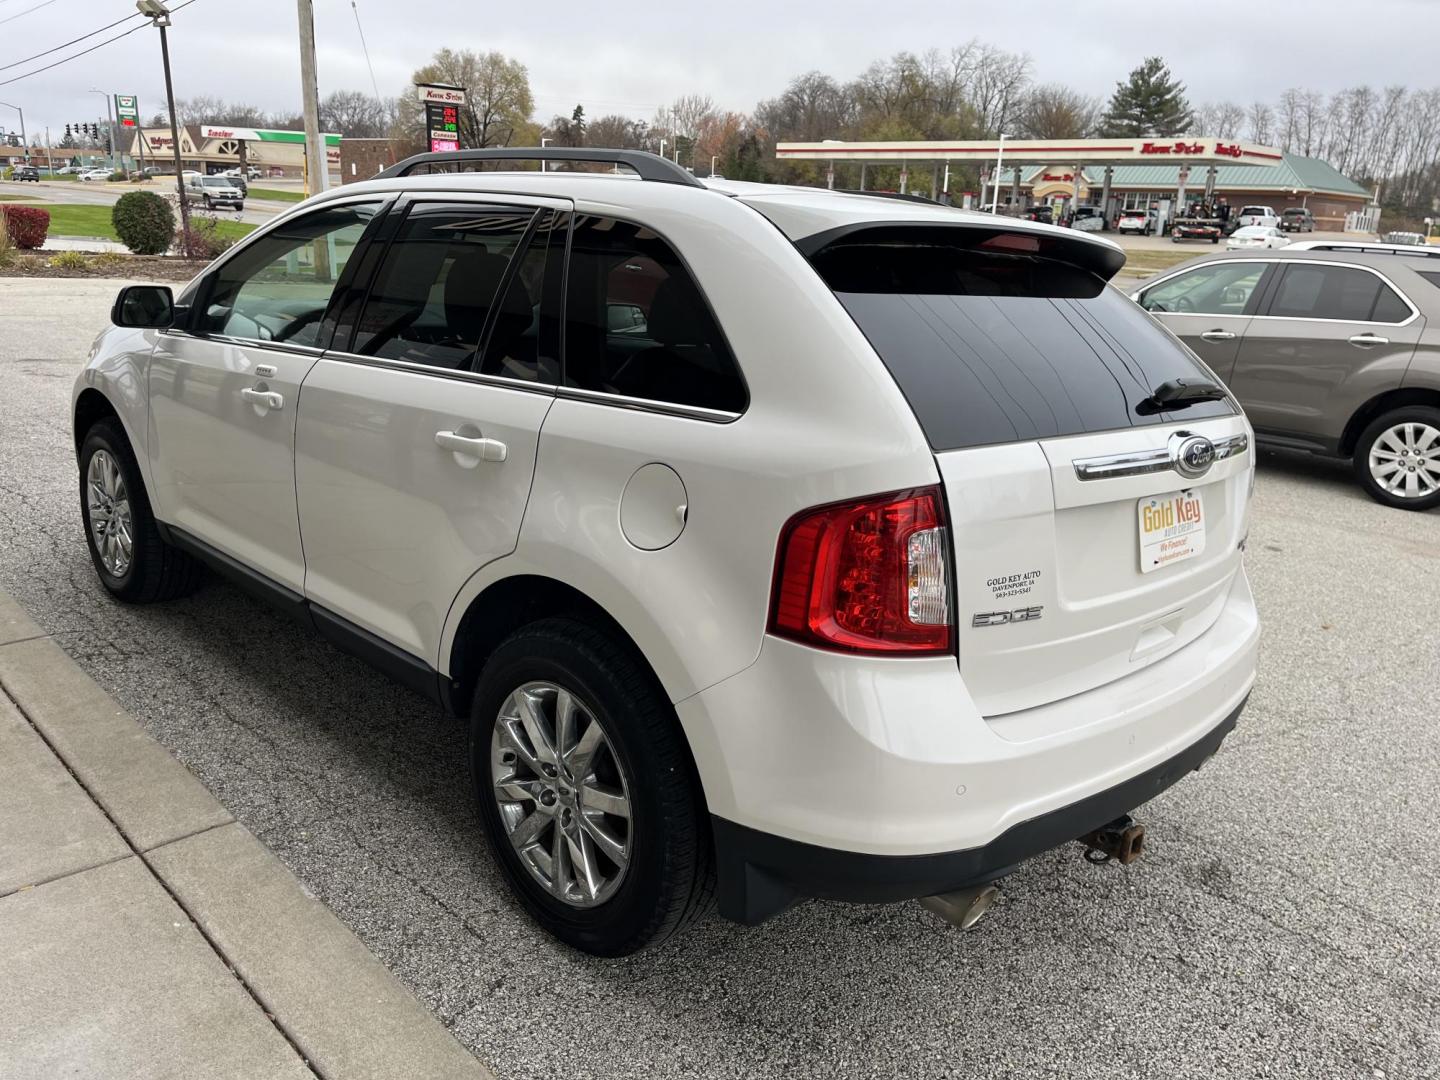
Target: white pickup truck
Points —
{"points": [[1264, 216]]}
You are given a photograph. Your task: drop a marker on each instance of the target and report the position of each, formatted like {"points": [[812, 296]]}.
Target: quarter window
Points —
{"points": [[440, 277], [1223, 288], [637, 324], [1345, 294], [277, 288]]}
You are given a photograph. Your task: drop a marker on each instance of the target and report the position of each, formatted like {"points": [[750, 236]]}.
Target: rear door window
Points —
{"points": [[1342, 293], [993, 347], [440, 277]]}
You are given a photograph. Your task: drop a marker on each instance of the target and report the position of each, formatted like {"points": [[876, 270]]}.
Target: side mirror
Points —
{"points": [[144, 306]]}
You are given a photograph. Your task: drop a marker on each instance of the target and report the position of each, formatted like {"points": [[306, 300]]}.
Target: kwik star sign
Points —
{"points": [[442, 115], [1037, 151]]}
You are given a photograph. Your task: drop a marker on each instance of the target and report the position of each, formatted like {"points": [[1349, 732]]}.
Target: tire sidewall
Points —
{"points": [[535, 657], [1412, 414], [102, 437]]}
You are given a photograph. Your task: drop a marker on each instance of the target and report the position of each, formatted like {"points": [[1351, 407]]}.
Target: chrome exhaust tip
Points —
{"points": [[963, 907]]}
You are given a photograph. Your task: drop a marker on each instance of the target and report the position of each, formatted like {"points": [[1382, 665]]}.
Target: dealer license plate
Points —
{"points": [[1172, 529]]}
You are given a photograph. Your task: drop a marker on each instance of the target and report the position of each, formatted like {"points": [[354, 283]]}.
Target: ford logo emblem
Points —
{"points": [[1193, 456]]}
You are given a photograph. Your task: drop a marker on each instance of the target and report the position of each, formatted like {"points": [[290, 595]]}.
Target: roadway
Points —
{"points": [[103, 193]]}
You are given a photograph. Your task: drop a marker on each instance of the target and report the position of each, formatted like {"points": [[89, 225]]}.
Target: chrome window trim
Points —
{"points": [[1414, 311], [1141, 462], [246, 343], [665, 408], [386, 363]]}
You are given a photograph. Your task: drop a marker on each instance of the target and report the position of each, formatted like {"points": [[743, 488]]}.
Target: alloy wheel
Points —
{"points": [[562, 794], [108, 502], [1405, 460]]}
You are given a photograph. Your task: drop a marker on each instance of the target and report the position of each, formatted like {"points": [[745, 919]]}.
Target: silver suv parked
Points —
{"points": [[1331, 348]]}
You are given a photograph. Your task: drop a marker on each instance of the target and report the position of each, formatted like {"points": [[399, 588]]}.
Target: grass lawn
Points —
{"points": [[1163, 260], [95, 221], [18, 198], [274, 194]]}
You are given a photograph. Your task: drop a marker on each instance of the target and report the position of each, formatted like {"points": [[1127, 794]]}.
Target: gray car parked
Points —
{"points": [[1334, 349]]}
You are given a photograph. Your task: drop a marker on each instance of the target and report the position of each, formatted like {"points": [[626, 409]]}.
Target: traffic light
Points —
{"points": [[67, 131]]}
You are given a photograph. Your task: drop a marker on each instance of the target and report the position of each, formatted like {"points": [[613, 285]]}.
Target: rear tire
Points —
{"points": [[666, 879], [1397, 458], [134, 563]]}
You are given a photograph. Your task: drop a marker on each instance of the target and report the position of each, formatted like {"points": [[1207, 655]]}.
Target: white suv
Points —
{"points": [[777, 543]]}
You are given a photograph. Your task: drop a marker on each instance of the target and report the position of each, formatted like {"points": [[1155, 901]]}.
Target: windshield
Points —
{"points": [[216, 181], [1257, 210], [996, 348]]}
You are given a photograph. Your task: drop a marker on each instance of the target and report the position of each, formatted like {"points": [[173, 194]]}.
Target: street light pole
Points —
{"points": [[159, 16], [543, 143], [110, 125], [24, 143], [999, 164]]}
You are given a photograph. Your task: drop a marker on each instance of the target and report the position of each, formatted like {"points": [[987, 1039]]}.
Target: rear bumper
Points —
{"points": [[823, 770], [760, 874]]}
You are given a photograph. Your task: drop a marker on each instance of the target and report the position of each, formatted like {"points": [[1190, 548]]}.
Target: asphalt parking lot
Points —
{"points": [[1283, 923]]}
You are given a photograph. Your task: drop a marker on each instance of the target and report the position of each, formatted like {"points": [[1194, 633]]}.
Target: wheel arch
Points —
{"points": [[92, 406], [1378, 406]]}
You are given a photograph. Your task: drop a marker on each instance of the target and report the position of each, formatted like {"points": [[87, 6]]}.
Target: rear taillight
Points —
{"points": [[871, 575]]}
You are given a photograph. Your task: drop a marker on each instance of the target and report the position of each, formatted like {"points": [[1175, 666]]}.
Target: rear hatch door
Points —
{"points": [[1093, 531]]}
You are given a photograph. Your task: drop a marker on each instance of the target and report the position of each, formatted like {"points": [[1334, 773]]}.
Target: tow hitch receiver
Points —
{"points": [[1122, 840]]}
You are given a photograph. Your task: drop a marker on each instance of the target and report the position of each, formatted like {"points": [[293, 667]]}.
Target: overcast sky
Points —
{"points": [[629, 57]]}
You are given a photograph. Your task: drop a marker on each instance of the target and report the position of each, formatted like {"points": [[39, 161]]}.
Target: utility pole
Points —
{"points": [[159, 16], [109, 126], [317, 164]]}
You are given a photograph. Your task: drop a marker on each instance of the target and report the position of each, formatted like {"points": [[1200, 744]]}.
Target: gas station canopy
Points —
{"points": [[1038, 151]]}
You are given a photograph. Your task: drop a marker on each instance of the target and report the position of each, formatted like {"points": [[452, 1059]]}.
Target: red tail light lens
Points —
{"points": [[866, 576]]}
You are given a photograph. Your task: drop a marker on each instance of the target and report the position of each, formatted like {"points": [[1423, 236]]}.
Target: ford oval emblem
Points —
{"points": [[1194, 456]]}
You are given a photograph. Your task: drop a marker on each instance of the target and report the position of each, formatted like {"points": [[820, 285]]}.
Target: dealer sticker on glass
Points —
{"points": [[1172, 529]]}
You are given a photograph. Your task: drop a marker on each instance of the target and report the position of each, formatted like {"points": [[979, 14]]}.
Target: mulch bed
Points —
{"points": [[139, 267]]}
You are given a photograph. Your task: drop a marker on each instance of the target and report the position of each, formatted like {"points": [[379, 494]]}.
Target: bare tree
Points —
{"points": [[1054, 111], [1218, 119], [1262, 122], [498, 102], [616, 132], [356, 115]]}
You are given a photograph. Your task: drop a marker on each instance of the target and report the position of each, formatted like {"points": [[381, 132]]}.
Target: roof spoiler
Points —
{"points": [[1060, 245], [647, 166]]}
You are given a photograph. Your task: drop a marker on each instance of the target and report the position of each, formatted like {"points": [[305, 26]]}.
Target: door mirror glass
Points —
{"points": [[146, 306]]}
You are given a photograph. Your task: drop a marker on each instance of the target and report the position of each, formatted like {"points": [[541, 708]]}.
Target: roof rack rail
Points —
{"points": [[646, 165]]}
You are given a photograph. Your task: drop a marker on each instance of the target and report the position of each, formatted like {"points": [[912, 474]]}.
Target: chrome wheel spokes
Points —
{"points": [[108, 502], [562, 794], [1405, 460]]}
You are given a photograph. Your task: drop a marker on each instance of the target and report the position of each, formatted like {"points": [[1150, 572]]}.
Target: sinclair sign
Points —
{"points": [[127, 110]]}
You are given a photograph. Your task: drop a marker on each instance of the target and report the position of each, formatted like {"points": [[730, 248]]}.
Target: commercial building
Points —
{"points": [[1117, 173], [211, 148]]}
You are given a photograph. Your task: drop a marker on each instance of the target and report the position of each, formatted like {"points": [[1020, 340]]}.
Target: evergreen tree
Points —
{"points": [[1150, 102]]}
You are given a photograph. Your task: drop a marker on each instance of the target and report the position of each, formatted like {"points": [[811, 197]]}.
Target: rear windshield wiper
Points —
{"points": [[1180, 394]]}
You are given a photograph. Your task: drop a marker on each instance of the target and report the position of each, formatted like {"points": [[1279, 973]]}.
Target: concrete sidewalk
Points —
{"points": [[145, 933]]}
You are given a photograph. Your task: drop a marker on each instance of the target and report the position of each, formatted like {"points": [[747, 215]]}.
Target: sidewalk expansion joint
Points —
{"points": [[174, 897], [69, 874]]}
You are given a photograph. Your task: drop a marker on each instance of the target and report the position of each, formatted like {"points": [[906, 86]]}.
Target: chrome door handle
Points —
{"points": [[1218, 335], [1366, 341], [484, 449], [269, 398]]}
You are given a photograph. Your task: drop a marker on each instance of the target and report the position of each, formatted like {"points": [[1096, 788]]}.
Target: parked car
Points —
{"points": [[1256, 236], [773, 599], [25, 172], [213, 191], [1406, 239], [96, 174], [1263, 216], [1141, 222], [251, 173], [1189, 228], [1087, 218], [69, 170], [1044, 214], [1297, 219], [1332, 351]]}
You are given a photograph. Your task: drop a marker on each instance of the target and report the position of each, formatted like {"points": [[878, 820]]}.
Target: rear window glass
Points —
{"points": [[991, 347]]}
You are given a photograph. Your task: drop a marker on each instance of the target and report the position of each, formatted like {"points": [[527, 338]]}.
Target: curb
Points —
{"points": [[342, 1013]]}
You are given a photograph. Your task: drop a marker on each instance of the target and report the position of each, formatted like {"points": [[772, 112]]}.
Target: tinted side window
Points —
{"points": [[437, 283], [636, 323], [1389, 307], [1325, 292], [1217, 289], [277, 288], [524, 341]]}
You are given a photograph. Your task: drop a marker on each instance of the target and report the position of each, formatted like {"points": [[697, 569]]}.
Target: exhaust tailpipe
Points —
{"points": [[963, 907]]}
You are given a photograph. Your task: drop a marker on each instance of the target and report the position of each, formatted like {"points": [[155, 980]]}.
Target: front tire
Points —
{"points": [[586, 790], [134, 563], [1397, 458]]}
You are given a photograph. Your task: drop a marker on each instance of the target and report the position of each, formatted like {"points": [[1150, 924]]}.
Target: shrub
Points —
{"points": [[144, 222], [27, 225], [69, 260], [203, 240]]}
